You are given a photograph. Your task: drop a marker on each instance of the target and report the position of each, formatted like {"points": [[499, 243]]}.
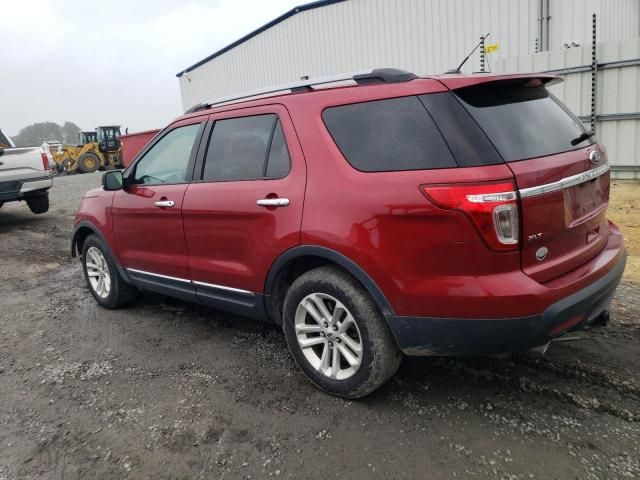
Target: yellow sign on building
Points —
{"points": [[491, 48]]}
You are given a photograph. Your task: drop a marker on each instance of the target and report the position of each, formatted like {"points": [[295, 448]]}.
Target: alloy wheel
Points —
{"points": [[98, 272], [328, 336]]}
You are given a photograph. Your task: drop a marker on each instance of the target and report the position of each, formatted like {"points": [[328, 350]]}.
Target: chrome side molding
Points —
{"points": [[193, 282], [222, 287], [566, 182], [157, 275]]}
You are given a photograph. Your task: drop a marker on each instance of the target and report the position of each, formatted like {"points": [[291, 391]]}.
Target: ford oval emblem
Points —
{"points": [[594, 156], [541, 253]]}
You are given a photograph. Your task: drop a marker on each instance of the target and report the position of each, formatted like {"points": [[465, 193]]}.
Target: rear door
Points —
{"points": [[246, 208], [562, 175], [147, 214]]}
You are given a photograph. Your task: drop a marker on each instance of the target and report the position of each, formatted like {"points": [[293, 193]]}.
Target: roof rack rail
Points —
{"points": [[366, 77]]}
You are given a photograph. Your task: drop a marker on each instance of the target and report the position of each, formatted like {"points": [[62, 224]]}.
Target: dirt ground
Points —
{"points": [[165, 389], [624, 210]]}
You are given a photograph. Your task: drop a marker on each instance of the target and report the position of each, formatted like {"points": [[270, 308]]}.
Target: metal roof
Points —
{"points": [[266, 26]]}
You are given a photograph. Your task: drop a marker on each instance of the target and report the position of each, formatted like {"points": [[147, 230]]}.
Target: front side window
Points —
{"points": [[247, 148], [166, 162]]}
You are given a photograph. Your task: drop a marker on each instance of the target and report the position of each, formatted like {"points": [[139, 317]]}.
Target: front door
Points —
{"points": [[246, 208], [147, 212]]}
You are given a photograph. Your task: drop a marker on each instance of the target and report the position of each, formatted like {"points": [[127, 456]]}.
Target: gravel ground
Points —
{"points": [[165, 389]]}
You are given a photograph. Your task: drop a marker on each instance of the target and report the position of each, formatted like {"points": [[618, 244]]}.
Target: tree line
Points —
{"points": [[33, 135]]}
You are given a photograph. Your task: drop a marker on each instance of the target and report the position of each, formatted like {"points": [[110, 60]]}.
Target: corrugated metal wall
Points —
{"points": [[423, 36], [431, 36], [618, 93], [571, 21]]}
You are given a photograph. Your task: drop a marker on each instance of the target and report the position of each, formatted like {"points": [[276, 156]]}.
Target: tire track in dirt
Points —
{"points": [[580, 386]]}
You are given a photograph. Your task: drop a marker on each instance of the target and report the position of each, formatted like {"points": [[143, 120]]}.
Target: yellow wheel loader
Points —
{"points": [[98, 150]]}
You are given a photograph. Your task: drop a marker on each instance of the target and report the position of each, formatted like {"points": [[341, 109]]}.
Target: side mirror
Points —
{"points": [[112, 180]]}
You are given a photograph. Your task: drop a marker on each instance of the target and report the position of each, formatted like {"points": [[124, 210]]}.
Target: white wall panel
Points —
{"points": [[424, 36], [571, 20], [431, 36]]}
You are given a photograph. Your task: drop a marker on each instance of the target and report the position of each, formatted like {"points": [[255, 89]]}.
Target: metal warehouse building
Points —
{"points": [[431, 36]]}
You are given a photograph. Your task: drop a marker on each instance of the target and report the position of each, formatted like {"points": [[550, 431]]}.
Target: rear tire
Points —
{"points": [[102, 276], [88, 163], [326, 309], [38, 203]]}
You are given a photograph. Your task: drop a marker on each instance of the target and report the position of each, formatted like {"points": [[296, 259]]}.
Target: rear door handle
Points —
{"points": [[273, 202], [165, 203]]}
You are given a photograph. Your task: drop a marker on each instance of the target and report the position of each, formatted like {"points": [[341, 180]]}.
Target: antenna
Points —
{"points": [[457, 70]]}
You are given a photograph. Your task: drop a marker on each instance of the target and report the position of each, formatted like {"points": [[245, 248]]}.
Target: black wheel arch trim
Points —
{"points": [[74, 245], [333, 256]]}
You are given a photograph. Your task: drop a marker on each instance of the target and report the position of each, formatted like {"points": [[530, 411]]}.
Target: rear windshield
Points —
{"points": [[522, 122]]}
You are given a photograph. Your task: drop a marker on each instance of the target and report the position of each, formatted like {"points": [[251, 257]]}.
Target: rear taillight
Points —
{"points": [[492, 207], [45, 159]]}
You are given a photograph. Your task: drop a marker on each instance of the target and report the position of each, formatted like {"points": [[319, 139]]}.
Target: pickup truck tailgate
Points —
{"points": [[23, 163]]}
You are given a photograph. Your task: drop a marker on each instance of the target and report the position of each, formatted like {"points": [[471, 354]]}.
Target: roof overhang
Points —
{"points": [[266, 26]]}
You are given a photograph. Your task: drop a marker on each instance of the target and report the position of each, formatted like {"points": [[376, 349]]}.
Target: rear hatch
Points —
{"points": [[561, 174]]}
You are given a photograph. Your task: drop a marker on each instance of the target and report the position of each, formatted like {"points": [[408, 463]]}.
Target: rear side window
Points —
{"points": [[388, 135], [247, 148], [522, 122], [469, 145]]}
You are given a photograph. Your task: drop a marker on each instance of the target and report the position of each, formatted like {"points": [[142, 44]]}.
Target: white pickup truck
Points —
{"points": [[25, 175]]}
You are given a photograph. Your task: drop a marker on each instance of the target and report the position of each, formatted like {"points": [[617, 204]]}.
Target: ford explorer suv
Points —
{"points": [[25, 175], [369, 216]]}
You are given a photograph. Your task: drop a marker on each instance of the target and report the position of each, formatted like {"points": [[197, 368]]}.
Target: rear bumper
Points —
{"points": [[20, 189], [33, 185], [449, 336]]}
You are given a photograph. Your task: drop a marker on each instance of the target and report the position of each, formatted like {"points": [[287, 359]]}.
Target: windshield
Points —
{"points": [[523, 122]]}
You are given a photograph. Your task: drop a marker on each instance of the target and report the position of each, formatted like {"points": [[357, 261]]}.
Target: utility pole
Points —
{"points": [[594, 76]]}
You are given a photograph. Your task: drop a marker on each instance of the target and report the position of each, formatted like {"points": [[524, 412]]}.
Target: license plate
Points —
{"points": [[584, 201], [9, 187]]}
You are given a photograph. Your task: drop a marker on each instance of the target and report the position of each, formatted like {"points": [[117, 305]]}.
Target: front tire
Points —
{"points": [[337, 335], [88, 163], [102, 277]]}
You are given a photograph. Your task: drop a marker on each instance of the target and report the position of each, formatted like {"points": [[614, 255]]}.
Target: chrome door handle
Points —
{"points": [[165, 203], [273, 202]]}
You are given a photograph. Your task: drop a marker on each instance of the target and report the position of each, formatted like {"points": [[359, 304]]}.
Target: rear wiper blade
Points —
{"points": [[584, 136]]}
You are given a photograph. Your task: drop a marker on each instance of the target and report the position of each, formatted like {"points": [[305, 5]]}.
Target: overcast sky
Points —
{"points": [[114, 61]]}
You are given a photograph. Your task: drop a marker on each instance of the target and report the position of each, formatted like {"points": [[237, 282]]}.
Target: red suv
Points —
{"points": [[443, 215]]}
